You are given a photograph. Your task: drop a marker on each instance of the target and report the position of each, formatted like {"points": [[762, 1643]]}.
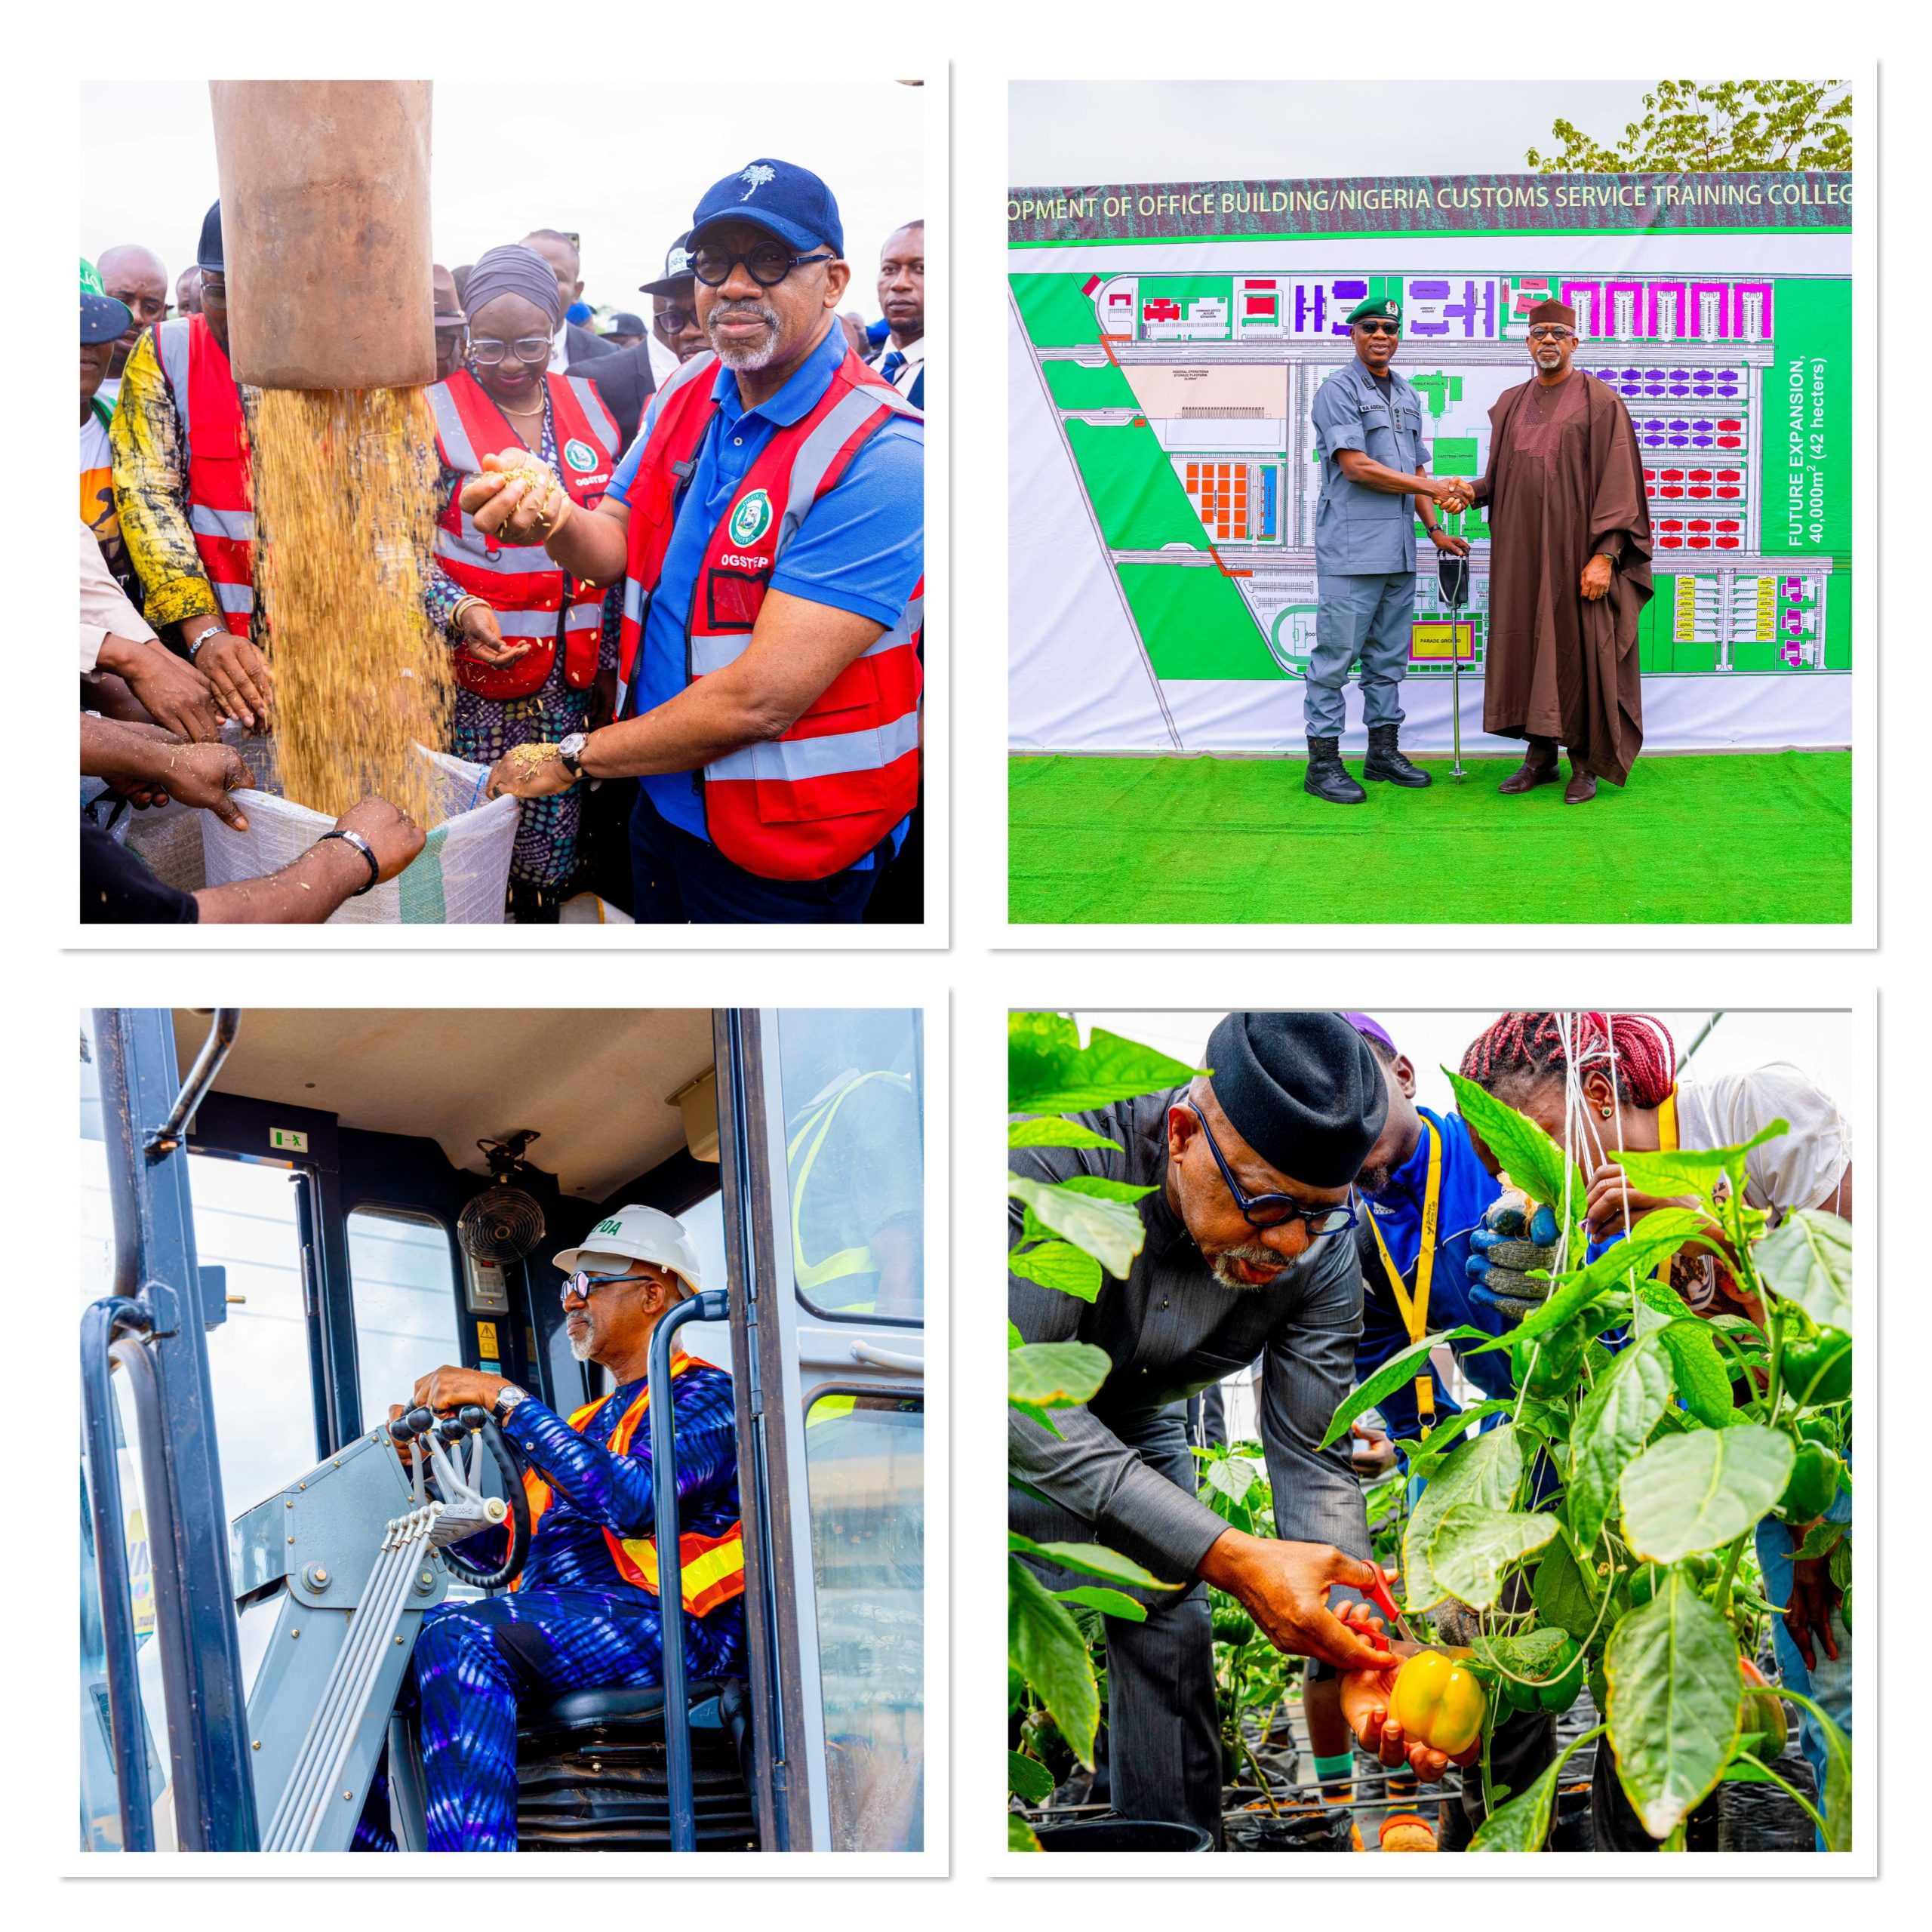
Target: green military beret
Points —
{"points": [[1378, 308]]}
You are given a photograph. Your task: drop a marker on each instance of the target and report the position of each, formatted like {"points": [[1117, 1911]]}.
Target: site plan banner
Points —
{"points": [[1168, 341]]}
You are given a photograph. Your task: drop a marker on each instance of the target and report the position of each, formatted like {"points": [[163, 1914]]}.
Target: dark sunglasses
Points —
{"points": [[1272, 1210], [767, 264], [1379, 328], [582, 1284]]}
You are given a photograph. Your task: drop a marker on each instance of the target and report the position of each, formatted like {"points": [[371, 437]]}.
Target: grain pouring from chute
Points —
{"points": [[325, 207]]}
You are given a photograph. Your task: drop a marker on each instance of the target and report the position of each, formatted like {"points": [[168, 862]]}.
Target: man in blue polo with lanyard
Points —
{"points": [[1427, 1194], [768, 525], [1368, 431]]}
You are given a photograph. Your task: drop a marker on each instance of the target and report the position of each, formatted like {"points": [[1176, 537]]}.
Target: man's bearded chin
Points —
{"points": [[738, 355], [582, 1345], [1252, 1252], [1375, 1181]]}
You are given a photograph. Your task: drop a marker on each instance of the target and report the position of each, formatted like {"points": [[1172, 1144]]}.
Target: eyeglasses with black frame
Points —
{"points": [[1275, 1210], [1379, 328], [767, 262]]}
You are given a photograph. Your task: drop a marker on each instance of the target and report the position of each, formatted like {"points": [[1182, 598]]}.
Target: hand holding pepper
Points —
{"points": [[1427, 1713]]}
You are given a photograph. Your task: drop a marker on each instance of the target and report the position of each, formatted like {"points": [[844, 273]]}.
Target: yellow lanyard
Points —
{"points": [[1414, 1310], [1667, 1123]]}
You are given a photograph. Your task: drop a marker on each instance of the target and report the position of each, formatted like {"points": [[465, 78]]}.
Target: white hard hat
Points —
{"points": [[636, 1234]]}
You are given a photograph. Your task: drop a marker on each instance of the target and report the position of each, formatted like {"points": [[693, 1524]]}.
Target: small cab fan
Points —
{"points": [[503, 1223]]}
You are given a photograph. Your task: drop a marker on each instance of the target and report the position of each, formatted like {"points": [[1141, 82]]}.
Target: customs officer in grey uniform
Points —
{"points": [[1248, 1256], [1368, 426]]}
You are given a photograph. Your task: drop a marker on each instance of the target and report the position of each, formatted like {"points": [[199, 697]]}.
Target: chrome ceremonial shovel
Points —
{"points": [[1452, 572]]}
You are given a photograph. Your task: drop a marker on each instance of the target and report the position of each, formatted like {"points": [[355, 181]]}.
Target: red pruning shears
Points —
{"points": [[1378, 1594]]}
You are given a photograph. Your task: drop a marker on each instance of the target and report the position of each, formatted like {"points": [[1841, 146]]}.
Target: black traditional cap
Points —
{"points": [[207, 256], [1302, 1089]]}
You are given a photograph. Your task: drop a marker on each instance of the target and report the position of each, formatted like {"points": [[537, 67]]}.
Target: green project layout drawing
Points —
{"points": [[1184, 400]]}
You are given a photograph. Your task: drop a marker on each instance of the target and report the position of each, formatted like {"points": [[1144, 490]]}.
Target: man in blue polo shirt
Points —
{"points": [[1422, 1174], [714, 717]]}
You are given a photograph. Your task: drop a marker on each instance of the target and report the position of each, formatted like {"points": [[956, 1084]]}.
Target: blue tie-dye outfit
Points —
{"points": [[572, 1622]]}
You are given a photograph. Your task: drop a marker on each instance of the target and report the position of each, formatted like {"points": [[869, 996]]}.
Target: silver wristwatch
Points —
{"points": [[506, 1402], [569, 752]]}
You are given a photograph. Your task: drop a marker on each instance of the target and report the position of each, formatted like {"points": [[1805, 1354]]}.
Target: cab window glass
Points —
{"points": [[853, 1085], [403, 1281], [864, 1476]]}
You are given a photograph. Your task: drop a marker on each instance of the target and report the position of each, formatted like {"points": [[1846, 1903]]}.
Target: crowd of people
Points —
{"points": [[1307, 1221], [678, 567]]}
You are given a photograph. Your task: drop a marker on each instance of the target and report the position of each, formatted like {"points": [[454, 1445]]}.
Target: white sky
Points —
{"points": [[150, 166], [1819, 1042], [1064, 133]]}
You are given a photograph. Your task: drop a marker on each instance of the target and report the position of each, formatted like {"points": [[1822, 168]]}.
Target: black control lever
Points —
{"points": [[450, 1430], [406, 1428], [471, 1417]]}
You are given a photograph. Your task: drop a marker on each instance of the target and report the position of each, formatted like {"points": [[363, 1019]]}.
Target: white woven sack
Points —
{"points": [[168, 840], [460, 879]]}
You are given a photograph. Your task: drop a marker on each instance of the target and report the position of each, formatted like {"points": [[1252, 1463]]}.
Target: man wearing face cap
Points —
{"points": [[1569, 569], [1250, 1254], [768, 527]]}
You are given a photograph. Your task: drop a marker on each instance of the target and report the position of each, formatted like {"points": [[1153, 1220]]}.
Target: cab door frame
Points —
{"points": [[790, 1357]]}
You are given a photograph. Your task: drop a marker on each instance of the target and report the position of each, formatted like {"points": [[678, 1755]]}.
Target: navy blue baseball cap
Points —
{"points": [[102, 318], [207, 257], [791, 202], [624, 323]]}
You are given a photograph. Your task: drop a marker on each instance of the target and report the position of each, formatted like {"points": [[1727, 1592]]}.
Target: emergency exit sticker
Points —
{"points": [[486, 1338], [288, 1140]]}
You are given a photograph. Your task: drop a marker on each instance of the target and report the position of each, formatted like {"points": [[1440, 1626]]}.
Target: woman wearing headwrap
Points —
{"points": [[534, 654]]}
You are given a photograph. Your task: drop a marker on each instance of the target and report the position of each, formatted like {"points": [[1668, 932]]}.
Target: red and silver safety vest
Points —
{"points": [[521, 583], [214, 434], [819, 797], [711, 1569]]}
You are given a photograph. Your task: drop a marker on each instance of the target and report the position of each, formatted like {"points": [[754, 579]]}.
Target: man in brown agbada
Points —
{"points": [[1569, 569]]}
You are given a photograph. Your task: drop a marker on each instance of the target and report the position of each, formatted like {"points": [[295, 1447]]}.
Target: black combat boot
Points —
{"points": [[1327, 777], [1386, 761]]}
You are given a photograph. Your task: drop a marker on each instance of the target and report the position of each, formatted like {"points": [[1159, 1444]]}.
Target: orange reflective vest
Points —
{"points": [[822, 794], [713, 1567], [214, 432], [521, 584]]}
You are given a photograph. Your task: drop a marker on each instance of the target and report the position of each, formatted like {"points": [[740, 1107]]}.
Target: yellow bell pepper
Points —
{"points": [[1438, 1701]]}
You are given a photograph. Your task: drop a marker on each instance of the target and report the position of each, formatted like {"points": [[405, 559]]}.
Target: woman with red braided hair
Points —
{"points": [[1629, 1097]]}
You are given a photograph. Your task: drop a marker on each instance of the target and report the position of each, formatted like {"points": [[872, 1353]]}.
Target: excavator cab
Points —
{"points": [[326, 1205]]}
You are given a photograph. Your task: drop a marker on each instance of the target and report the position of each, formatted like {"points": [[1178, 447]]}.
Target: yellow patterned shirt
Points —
{"points": [[151, 493]]}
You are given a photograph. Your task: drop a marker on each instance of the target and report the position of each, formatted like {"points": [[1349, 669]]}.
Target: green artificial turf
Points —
{"points": [[1750, 839]]}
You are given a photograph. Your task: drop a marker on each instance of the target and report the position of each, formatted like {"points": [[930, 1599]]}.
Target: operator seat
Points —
{"points": [[594, 1775]]}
